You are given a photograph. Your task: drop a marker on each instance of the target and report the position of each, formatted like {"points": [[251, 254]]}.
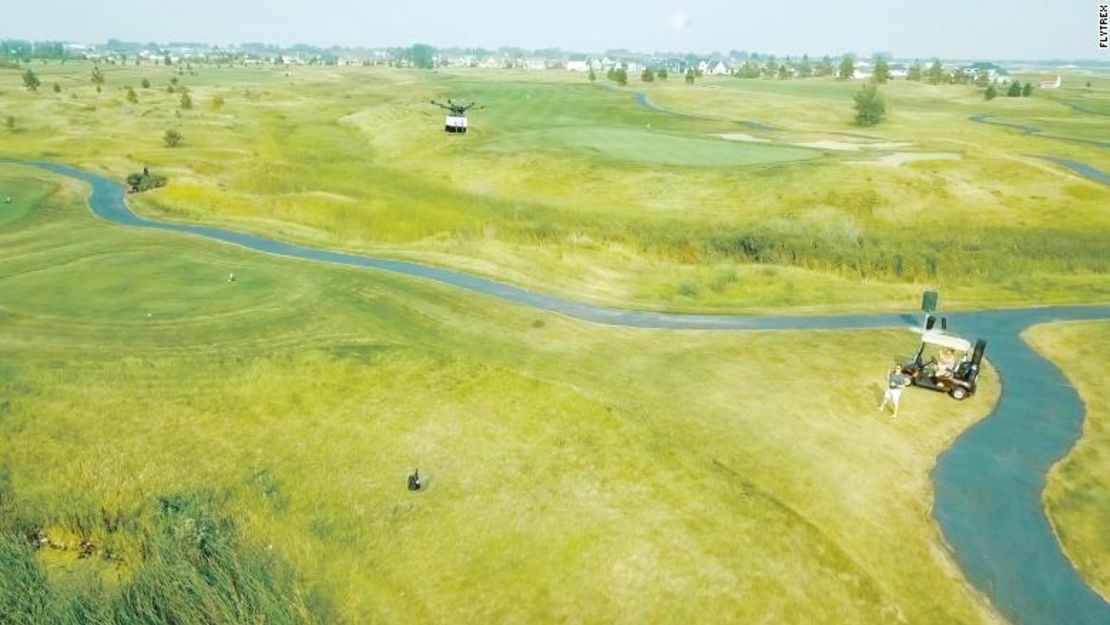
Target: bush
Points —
{"points": [[145, 181], [172, 138], [31, 81], [869, 104]]}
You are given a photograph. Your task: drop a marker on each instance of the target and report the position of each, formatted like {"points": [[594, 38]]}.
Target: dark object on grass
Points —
{"points": [[145, 181], [414, 480]]}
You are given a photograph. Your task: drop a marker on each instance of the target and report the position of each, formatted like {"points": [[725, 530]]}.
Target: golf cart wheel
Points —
{"points": [[958, 392]]}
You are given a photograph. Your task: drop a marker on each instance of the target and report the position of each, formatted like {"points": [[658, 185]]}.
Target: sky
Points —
{"points": [[963, 29]]}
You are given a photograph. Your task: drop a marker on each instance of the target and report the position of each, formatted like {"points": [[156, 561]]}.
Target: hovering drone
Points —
{"points": [[456, 121]]}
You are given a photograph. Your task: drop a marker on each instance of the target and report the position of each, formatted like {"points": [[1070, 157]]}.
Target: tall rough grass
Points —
{"points": [[192, 566]]}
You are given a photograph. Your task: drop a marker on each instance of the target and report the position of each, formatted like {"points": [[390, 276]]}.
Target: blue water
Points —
{"points": [[988, 483]]}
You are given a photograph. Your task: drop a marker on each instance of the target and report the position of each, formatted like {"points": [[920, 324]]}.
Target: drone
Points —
{"points": [[456, 121]]}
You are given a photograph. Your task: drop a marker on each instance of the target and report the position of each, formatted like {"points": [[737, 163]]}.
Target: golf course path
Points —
{"points": [[984, 118], [988, 483]]}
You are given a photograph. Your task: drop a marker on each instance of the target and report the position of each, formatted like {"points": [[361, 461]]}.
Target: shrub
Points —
{"points": [[172, 138], [145, 181]]}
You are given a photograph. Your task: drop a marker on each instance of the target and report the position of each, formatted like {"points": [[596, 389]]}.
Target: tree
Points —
{"points": [[847, 68], [825, 67], [805, 68], [784, 71], [145, 83], [915, 72], [422, 56], [982, 77], [647, 75], [882, 71], [217, 102], [690, 76], [186, 101], [57, 88], [592, 76], [771, 67], [30, 80], [131, 96], [870, 106], [172, 138], [1014, 91], [661, 73], [991, 93], [97, 77], [936, 72], [9, 123], [166, 60], [1027, 90]]}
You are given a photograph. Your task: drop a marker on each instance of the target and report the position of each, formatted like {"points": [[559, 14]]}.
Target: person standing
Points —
{"points": [[896, 381]]}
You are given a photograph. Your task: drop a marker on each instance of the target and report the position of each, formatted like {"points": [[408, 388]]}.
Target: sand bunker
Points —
{"points": [[740, 136], [900, 158], [853, 147]]}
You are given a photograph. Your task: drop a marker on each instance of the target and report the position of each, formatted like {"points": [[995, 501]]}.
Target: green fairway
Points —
{"points": [[258, 433], [1078, 487], [652, 148], [17, 195]]}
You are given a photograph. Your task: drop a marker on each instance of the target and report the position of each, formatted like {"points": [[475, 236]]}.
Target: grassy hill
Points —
{"points": [[578, 189], [179, 443]]}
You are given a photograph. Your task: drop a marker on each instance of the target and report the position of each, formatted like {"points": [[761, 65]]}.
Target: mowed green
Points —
{"points": [[17, 195], [574, 188], [1079, 487], [644, 147], [198, 435]]}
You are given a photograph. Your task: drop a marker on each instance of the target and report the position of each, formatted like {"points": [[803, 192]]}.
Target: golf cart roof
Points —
{"points": [[946, 340]]}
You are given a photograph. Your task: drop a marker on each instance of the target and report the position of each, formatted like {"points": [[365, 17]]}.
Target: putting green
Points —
{"points": [[24, 194], [656, 148]]}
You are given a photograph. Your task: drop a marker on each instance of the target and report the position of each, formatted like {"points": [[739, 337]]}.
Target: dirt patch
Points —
{"points": [[846, 146], [901, 158], [741, 136]]}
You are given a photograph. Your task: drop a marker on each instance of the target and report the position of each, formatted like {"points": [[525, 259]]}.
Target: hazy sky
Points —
{"points": [[1005, 29]]}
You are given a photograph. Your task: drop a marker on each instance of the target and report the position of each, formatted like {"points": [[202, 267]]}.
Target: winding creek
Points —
{"points": [[988, 483]]}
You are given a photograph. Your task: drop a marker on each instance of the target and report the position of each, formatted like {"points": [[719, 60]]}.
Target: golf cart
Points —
{"points": [[946, 363]]}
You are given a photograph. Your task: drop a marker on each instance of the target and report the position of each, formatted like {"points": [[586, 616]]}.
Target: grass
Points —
{"points": [[575, 189], [1078, 487], [644, 147], [237, 443]]}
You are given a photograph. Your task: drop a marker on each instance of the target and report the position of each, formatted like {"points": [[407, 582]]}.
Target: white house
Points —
{"points": [[490, 63], [535, 63], [899, 70], [1050, 82], [717, 68], [578, 66]]}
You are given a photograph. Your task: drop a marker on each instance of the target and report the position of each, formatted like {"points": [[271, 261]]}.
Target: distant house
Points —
{"points": [[1050, 82], [578, 66], [994, 72], [535, 63], [899, 70], [717, 68], [863, 71], [490, 63]]}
